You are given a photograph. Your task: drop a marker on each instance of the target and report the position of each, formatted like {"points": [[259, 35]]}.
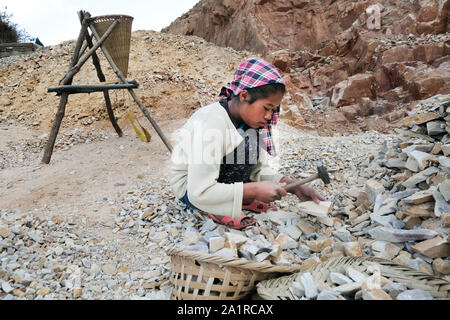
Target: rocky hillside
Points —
{"points": [[344, 60]]}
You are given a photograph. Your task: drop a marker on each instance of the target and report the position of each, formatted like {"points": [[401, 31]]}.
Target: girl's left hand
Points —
{"points": [[304, 192]]}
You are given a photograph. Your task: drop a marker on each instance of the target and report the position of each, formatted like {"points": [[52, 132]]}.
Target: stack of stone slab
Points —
{"points": [[410, 200]]}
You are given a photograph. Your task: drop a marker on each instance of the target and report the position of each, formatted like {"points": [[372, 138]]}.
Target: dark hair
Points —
{"points": [[263, 92]]}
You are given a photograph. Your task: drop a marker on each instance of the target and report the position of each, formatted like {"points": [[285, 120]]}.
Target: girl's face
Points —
{"points": [[257, 114]]}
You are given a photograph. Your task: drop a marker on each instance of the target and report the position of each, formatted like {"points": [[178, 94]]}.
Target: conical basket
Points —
{"points": [[118, 42]]}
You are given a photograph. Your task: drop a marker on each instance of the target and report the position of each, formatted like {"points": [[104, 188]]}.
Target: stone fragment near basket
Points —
{"points": [[319, 210], [433, 248], [373, 189]]}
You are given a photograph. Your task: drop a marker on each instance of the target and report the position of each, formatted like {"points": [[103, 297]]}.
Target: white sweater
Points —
{"points": [[202, 143]]}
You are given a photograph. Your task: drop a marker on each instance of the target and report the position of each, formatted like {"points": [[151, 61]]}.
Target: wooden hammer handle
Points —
{"points": [[300, 182]]}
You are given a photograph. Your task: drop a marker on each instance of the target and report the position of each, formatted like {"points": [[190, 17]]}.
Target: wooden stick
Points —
{"points": [[74, 69], [133, 94], [73, 89], [83, 49], [64, 98], [102, 78]]}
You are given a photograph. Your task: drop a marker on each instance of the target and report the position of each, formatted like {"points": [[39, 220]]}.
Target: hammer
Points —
{"points": [[322, 173]]}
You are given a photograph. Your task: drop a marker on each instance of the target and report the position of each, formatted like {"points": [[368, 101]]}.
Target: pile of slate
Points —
{"points": [[411, 202]]}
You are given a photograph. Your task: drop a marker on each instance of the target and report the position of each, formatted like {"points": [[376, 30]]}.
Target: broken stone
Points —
{"points": [[422, 158], [419, 118], [306, 227], [444, 162], [191, 238], [4, 232], [236, 238], [356, 275], [227, 252], [395, 163], [297, 289], [433, 248], [419, 177], [286, 242], [412, 164], [318, 245], [423, 210], [309, 285], [353, 249], [249, 251], [327, 295], [446, 220], [412, 222], [329, 222], [109, 269], [397, 235], [293, 232], [444, 189], [375, 294], [394, 286], [383, 220], [339, 278], [446, 149], [260, 257], [441, 266], [385, 249], [437, 148], [415, 294], [441, 206], [435, 127], [403, 194], [319, 210], [419, 197], [373, 189], [348, 288], [389, 205], [216, 243], [342, 234], [360, 219]]}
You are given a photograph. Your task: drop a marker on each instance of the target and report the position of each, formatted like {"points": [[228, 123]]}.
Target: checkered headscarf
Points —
{"points": [[254, 73]]}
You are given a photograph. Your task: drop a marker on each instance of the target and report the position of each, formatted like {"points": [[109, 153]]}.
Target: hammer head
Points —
{"points": [[323, 173]]}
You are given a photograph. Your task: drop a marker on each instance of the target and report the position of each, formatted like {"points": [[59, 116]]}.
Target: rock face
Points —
{"points": [[389, 53]]}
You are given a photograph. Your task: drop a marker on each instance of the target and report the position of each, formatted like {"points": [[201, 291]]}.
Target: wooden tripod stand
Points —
{"points": [[66, 88]]}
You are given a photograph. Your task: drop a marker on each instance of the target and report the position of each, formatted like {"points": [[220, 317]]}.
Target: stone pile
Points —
{"points": [[410, 200], [25, 152]]}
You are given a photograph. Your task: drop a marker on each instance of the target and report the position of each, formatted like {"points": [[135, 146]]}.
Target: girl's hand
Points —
{"points": [[304, 192], [267, 191]]}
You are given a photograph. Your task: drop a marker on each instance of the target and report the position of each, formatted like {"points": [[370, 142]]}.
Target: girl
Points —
{"points": [[219, 164]]}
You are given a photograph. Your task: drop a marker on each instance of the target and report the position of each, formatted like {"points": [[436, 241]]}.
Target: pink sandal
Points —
{"points": [[236, 224], [259, 207]]}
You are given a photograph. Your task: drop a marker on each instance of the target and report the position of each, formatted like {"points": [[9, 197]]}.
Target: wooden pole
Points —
{"points": [[64, 98], [132, 93], [102, 78], [75, 68], [89, 88]]}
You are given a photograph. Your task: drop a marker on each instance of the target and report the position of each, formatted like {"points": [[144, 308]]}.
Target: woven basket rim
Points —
{"points": [[234, 262], [109, 17]]}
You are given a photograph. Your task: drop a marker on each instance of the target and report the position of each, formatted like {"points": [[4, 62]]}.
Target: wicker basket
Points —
{"points": [[278, 289], [118, 42], [199, 276]]}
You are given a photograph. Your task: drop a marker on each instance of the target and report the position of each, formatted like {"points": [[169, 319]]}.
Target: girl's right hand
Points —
{"points": [[268, 191]]}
